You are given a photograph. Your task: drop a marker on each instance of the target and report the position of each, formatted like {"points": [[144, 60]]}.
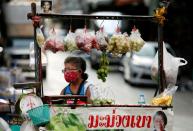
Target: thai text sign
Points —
{"points": [[127, 118]]}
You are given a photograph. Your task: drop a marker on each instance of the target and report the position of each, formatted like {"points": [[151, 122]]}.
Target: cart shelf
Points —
{"points": [[27, 85]]}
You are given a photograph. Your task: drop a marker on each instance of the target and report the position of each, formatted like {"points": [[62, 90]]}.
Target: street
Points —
{"points": [[123, 93]]}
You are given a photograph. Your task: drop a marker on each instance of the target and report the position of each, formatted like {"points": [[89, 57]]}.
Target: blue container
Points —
{"points": [[15, 127], [40, 115]]}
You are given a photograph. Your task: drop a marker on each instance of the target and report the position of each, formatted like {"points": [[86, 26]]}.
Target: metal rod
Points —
{"points": [[161, 73], [27, 85], [37, 52], [87, 16], [101, 106], [33, 9]]}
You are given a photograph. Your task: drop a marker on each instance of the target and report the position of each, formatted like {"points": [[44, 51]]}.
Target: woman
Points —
{"points": [[74, 74], [160, 121], [46, 6]]}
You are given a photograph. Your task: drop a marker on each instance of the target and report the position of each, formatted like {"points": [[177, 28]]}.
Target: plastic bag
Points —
{"points": [[27, 126], [170, 90], [4, 125], [84, 40], [101, 95], [165, 99], [54, 42], [119, 43], [32, 57], [40, 37], [102, 39], [95, 44], [70, 42], [170, 65], [135, 40]]}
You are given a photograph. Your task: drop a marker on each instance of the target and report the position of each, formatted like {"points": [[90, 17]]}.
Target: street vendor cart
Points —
{"points": [[55, 114]]}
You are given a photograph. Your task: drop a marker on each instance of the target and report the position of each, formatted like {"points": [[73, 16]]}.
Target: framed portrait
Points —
{"points": [[46, 6], [160, 121]]}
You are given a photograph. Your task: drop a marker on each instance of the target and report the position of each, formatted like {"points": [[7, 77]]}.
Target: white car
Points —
{"points": [[137, 65]]}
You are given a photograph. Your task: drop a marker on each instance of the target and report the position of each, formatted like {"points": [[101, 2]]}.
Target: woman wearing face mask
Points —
{"points": [[74, 74]]}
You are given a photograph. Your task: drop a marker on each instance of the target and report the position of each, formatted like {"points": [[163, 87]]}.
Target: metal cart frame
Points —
{"points": [[159, 19]]}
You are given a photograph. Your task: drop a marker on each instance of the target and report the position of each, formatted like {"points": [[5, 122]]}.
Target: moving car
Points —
{"points": [[137, 65]]}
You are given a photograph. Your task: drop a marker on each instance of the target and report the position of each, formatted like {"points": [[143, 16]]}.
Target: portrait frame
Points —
{"points": [[160, 119], [46, 6]]}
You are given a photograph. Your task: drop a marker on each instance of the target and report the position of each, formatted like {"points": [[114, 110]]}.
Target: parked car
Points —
{"points": [[18, 51], [137, 65]]}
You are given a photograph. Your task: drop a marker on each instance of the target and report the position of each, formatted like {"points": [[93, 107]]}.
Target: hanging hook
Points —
{"points": [[134, 22], [134, 25], [85, 25], [118, 28], [52, 31], [101, 23], [101, 27], [53, 28], [85, 22], [70, 24], [134, 28], [118, 22]]}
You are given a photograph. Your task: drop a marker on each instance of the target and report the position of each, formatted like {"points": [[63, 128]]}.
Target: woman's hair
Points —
{"points": [[80, 63], [43, 2], [163, 115]]}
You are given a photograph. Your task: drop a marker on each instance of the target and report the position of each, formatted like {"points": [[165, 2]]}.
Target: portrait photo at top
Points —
{"points": [[46, 6]]}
